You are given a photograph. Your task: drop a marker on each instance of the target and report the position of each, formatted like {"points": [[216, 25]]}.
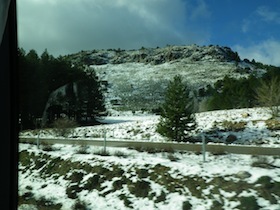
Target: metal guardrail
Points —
{"points": [[213, 148]]}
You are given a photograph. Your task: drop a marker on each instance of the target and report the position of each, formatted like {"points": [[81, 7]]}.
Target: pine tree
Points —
{"points": [[177, 117], [91, 101]]}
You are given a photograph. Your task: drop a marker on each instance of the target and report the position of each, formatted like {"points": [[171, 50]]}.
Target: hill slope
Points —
{"points": [[136, 79]]}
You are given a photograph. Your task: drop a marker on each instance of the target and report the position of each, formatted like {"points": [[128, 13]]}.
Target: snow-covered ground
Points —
{"points": [[128, 179], [84, 177], [249, 126]]}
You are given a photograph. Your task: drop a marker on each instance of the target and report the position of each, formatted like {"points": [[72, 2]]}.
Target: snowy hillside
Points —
{"points": [[136, 79]]}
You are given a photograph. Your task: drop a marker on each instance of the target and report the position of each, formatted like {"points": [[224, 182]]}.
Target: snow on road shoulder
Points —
{"points": [[246, 126]]}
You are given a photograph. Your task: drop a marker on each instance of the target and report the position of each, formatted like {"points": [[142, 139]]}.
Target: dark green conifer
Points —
{"points": [[177, 117]]}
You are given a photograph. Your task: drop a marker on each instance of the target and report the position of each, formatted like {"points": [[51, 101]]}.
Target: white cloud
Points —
{"points": [[261, 15], [268, 15], [245, 25], [267, 52], [201, 10], [65, 26]]}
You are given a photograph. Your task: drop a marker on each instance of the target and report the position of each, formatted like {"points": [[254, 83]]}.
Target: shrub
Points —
{"points": [[266, 182], [126, 201], [64, 127], [27, 195], [79, 205], [46, 147], [118, 184], [93, 183], [262, 162], [120, 154], [102, 152], [248, 203], [72, 191], [44, 203], [140, 188], [83, 149], [142, 173], [161, 197], [187, 205], [76, 176], [172, 157]]}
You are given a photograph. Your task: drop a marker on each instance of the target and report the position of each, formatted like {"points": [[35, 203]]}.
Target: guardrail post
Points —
{"points": [[104, 135], [203, 148], [38, 136]]}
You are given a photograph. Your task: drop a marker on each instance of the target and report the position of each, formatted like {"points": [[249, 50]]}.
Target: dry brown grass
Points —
{"points": [[234, 126], [273, 124]]}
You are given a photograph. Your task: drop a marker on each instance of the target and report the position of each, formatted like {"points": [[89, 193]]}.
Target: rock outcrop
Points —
{"points": [[156, 56]]}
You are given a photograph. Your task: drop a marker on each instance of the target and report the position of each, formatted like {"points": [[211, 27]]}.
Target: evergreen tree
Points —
{"points": [[177, 117], [39, 76], [232, 93], [91, 102]]}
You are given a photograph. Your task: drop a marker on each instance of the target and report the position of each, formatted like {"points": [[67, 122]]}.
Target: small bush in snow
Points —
{"points": [[83, 149], [140, 188], [79, 205], [187, 205], [262, 162], [44, 203], [248, 203], [172, 157], [102, 152], [47, 147], [64, 127], [120, 154]]}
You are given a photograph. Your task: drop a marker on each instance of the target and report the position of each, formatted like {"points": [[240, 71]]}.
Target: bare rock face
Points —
{"points": [[156, 56]]}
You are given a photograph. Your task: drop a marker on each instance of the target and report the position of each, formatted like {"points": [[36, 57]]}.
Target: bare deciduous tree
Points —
{"points": [[268, 94]]}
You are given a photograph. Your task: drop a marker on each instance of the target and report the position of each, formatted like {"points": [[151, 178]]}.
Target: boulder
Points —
{"points": [[230, 139]]}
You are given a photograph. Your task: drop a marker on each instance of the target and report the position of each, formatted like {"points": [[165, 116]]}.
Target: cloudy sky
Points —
{"points": [[62, 27]]}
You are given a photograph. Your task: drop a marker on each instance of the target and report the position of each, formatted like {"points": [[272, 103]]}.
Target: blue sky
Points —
{"points": [[252, 28]]}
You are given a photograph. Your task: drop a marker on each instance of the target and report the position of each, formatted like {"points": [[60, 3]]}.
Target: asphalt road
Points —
{"points": [[215, 149]]}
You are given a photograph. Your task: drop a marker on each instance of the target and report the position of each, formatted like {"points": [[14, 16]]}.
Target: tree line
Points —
{"points": [[232, 93], [40, 75]]}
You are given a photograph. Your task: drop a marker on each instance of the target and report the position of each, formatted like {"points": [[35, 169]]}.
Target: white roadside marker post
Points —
{"points": [[104, 135], [38, 136], [203, 148], [39, 126]]}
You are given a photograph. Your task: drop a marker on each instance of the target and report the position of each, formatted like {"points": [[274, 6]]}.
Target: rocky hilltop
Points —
{"points": [[136, 79], [156, 56]]}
